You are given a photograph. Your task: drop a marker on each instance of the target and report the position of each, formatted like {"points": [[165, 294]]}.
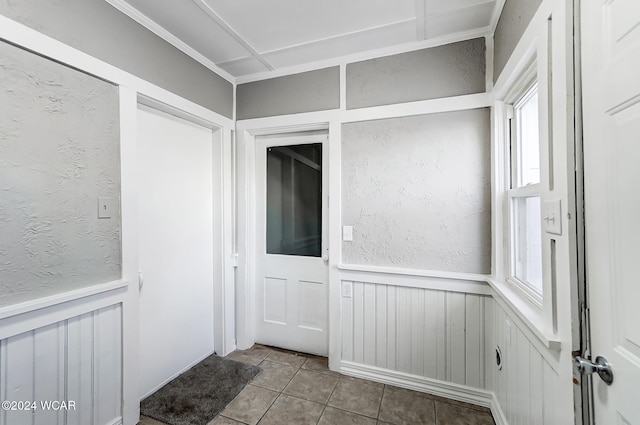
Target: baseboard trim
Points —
{"points": [[498, 415], [116, 421], [458, 392]]}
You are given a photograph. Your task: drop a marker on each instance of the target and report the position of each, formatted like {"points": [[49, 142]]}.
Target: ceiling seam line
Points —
{"points": [[336, 37], [362, 56], [213, 15]]}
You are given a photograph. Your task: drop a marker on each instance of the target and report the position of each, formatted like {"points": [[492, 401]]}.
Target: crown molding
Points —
{"points": [[161, 32]]}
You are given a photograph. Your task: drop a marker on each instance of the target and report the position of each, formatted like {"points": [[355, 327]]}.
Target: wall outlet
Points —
{"points": [[347, 289]]}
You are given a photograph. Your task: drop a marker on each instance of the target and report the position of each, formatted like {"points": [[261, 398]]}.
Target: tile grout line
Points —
{"points": [[283, 388], [384, 389], [328, 398]]}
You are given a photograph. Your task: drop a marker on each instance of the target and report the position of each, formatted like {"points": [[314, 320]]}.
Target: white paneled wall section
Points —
{"points": [[526, 386], [62, 363], [444, 342], [429, 333], [424, 333]]}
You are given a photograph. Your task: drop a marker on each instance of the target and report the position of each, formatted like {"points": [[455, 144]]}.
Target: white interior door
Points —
{"points": [[611, 94], [291, 228], [176, 246]]}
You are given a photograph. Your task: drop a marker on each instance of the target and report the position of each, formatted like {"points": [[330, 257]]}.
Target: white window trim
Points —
{"points": [[519, 89]]}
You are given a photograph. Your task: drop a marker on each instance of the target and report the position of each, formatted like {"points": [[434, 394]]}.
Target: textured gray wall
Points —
{"points": [[59, 151], [305, 92], [417, 191], [513, 21], [449, 70], [97, 28]]}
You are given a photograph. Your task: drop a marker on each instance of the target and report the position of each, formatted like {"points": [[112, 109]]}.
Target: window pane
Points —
{"points": [[294, 200], [527, 243], [528, 143]]}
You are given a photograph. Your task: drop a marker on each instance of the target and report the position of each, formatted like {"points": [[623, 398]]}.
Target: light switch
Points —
{"points": [[552, 217], [347, 233], [105, 207]]}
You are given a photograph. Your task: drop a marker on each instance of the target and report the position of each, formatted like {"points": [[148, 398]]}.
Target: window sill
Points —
{"points": [[529, 315]]}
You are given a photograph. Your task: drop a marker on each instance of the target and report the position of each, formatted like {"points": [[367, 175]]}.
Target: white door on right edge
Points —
{"points": [[611, 99]]}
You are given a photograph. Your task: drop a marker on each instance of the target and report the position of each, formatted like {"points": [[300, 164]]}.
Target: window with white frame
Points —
{"points": [[523, 193]]}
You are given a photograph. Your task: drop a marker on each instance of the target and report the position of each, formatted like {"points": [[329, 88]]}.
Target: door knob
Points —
{"points": [[601, 366]]}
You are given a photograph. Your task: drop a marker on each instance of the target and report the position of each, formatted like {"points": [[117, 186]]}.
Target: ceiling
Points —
{"points": [[246, 40]]}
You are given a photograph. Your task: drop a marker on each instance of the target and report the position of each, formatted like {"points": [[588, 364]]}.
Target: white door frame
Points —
{"points": [[247, 131]]}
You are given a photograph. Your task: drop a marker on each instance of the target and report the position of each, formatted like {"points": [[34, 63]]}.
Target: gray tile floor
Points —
{"points": [[294, 389]]}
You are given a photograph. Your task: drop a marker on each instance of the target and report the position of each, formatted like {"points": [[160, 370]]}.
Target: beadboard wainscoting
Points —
{"points": [[527, 385], [430, 333], [431, 340], [66, 351], [413, 332]]}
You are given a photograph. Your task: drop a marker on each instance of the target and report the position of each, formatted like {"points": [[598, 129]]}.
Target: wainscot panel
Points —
{"points": [[66, 372], [525, 384], [429, 333]]}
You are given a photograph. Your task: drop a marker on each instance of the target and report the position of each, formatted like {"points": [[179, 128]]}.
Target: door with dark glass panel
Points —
{"points": [[291, 266]]}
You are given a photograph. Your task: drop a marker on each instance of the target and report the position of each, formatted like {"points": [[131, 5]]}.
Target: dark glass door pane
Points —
{"points": [[294, 200]]}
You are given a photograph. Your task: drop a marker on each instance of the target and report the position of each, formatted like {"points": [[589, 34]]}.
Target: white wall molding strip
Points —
{"points": [[435, 387], [462, 284], [422, 107], [53, 313], [407, 109], [42, 303], [279, 124], [401, 271]]}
